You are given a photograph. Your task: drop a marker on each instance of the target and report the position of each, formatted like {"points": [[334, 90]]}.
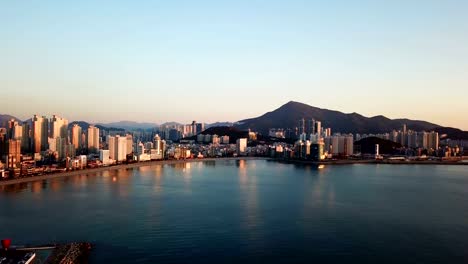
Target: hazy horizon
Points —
{"points": [[211, 61], [177, 121]]}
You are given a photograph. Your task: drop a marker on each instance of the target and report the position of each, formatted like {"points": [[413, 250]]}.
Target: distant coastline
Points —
{"points": [[372, 161]]}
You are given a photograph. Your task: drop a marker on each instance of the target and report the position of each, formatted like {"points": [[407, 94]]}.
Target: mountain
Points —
{"points": [[452, 133], [85, 125], [219, 124], [170, 124], [5, 118], [288, 116], [129, 125]]}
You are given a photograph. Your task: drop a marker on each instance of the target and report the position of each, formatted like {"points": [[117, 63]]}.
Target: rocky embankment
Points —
{"points": [[72, 253]]}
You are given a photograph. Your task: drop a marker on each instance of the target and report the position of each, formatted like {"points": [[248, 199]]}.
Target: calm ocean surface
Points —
{"points": [[250, 211]]}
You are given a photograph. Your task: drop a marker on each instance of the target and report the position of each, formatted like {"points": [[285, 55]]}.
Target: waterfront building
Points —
{"points": [[341, 145], [13, 153], [140, 148], [159, 147], [112, 147], [39, 133], [121, 148], [129, 148], [241, 146], [317, 151], [104, 156]]}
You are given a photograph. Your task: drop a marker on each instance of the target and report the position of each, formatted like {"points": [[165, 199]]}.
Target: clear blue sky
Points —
{"points": [[211, 61]]}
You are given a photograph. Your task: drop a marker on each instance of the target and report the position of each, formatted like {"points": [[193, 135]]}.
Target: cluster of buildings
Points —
{"points": [[314, 142], [317, 143], [52, 142], [174, 132], [48, 144], [409, 138]]}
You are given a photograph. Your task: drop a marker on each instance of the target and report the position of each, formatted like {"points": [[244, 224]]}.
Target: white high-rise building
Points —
{"points": [[93, 139], [121, 148], [241, 146], [118, 148], [58, 127], [104, 156], [159, 147]]}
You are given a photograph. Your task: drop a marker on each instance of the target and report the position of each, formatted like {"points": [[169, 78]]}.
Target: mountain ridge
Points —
{"points": [[288, 115]]}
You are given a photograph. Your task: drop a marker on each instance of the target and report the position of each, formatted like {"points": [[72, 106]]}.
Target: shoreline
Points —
{"points": [[116, 167], [373, 162], [169, 162]]}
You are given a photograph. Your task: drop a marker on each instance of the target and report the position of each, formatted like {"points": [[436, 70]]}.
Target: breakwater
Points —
{"points": [[73, 253]]}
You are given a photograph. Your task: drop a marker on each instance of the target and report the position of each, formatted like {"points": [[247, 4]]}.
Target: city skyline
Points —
{"points": [[211, 61], [129, 123]]}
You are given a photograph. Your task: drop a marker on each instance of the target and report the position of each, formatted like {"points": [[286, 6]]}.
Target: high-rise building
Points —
{"points": [[310, 126], [318, 128], [241, 146], [39, 133], [121, 148], [13, 153], [316, 151], [160, 147], [342, 145], [129, 147], [301, 126], [104, 156], [93, 139], [112, 147], [26, 138], [433, 140], [76, 137], [58, 127], [200, 127]]}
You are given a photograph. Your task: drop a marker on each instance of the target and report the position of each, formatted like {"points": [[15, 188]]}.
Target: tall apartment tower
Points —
{"points": [[93, 139], [310, 126], [39, 133], [301, 126], [318, 128], [58, 127], [76, 136], [129, 149], [13, 153]]}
